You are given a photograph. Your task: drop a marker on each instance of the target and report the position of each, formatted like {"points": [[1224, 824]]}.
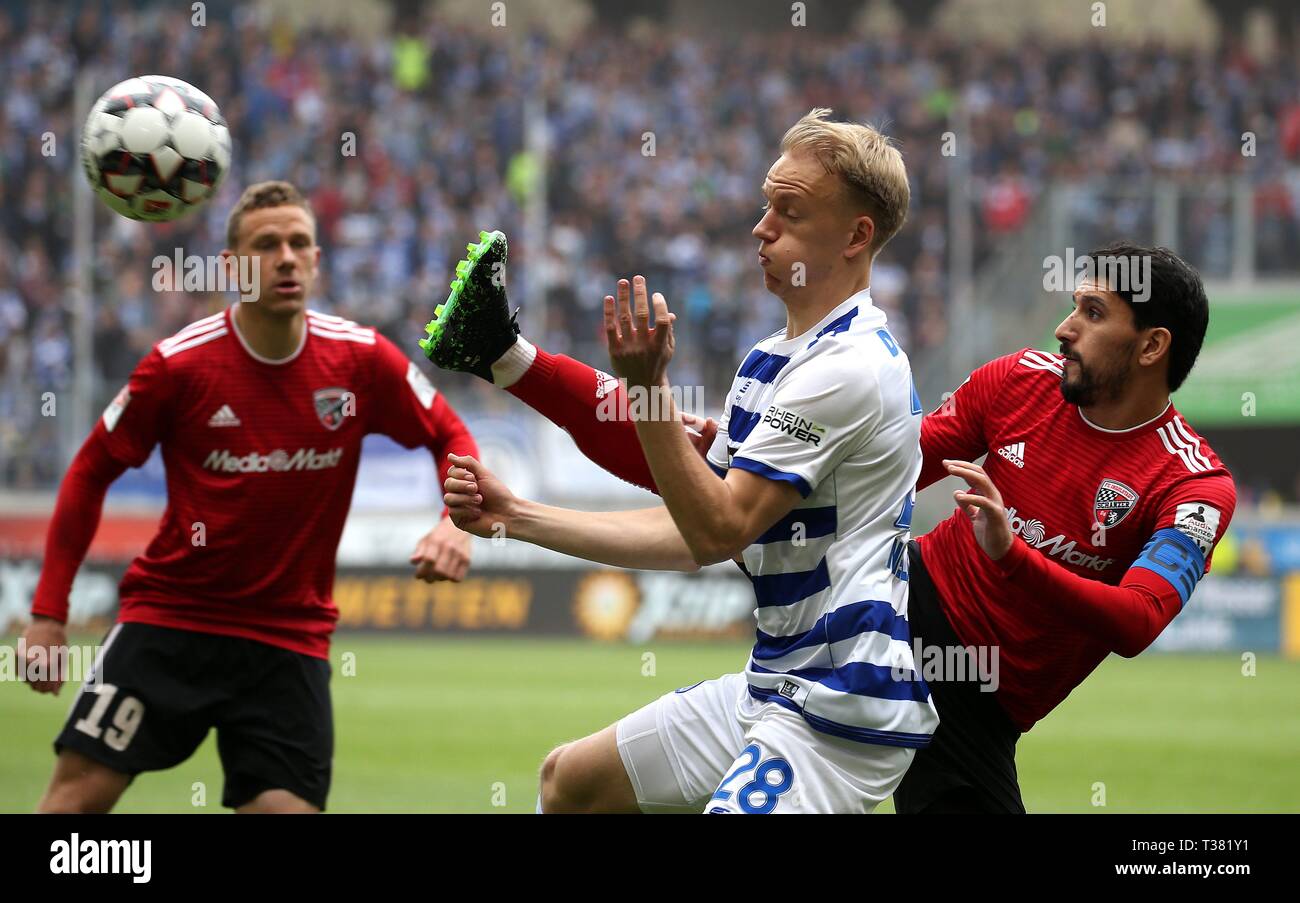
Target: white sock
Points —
{"points": [[510, 367], [539, 804]]}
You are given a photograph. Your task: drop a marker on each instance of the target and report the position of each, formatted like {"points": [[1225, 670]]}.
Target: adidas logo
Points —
{"points": [[1015, 453], [224, 417]]}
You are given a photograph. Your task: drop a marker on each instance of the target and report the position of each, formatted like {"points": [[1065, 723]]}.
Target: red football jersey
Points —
{"points": [[1089, 499], [261, 457]]}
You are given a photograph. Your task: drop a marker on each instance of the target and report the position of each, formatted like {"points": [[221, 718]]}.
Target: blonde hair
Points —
{"points": [[260, 196], [865, 160]]}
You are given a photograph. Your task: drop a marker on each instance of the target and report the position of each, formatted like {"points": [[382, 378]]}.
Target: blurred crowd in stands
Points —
{"points": [[657, 146]]}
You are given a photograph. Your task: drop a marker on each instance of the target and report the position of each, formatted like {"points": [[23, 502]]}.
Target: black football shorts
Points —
{"points": [[970, 765], [156, 691]]}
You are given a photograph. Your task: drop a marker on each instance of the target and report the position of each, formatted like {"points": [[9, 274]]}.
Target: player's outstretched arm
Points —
{"points": [[72, 527], [1127, 617], [483, 505]]}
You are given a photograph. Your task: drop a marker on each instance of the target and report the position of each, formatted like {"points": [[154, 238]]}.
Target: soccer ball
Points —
{"points": [[155, 148]]}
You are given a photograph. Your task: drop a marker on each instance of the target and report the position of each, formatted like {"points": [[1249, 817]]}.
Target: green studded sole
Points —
{"points": [[436, 327]]}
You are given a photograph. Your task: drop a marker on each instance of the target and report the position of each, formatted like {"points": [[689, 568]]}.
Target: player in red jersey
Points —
{"points": [[225, 619], [1084, 533]]}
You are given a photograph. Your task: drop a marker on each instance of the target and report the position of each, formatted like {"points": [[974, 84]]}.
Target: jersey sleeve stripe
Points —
{"points": [[1160, 431], [190, 332], [1039, 363], [1047, 368], [1194, 443], [1042, 356], [765, 470], [205, 321], [192, 343], [1174, 445], [363, 338], [339, 325]]}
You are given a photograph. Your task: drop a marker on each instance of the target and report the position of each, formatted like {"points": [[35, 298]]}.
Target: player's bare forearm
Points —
{"points": [[481, 504], [700, 504], [644, 538], [718, 519]]}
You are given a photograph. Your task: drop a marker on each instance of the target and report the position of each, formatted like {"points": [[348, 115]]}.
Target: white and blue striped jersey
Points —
{"points": [[835, 413]]}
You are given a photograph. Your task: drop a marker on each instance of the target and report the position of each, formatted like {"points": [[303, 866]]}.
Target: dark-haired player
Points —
{"points": [[225, 619], [1112, 503]]}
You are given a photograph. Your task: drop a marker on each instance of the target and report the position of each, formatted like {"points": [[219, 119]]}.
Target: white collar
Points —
{"points": [[302, 343], [1126, 429], [860, 300]]}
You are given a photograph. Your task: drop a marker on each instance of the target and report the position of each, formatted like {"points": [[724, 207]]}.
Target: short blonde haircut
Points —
{"points": [[259, 196], [865, 160]]}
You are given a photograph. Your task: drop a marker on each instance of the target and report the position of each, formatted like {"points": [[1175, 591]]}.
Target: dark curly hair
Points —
{"points": [[1177, 302]]}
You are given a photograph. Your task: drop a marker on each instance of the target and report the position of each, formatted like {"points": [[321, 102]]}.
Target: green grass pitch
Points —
{"points": [[462, 724]]}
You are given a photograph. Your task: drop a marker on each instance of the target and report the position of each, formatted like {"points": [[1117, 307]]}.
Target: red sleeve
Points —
{"points": [[956, 429], [406, 407], [1200, 507], [124, 436], [137, 418], [1128, 617], [576, 398], [73, 525]]}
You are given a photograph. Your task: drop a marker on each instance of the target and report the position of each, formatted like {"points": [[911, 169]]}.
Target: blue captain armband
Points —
{"points": [[1174, 556]]}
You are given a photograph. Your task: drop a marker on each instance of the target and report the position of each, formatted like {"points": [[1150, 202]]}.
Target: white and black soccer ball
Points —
{"points": [[155, 148]]}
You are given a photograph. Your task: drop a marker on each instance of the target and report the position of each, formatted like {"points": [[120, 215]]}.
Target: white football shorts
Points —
{"points": [[713, 748]]}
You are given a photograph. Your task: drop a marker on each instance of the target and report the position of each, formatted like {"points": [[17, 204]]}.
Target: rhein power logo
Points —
{"points": [[794, 425]]}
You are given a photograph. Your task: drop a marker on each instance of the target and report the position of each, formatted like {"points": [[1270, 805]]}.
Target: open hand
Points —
{"points": [[639, 352], [983, 505]]}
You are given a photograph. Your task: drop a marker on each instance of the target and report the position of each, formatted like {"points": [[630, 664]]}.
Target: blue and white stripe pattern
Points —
{"points": [[832, 413]]}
